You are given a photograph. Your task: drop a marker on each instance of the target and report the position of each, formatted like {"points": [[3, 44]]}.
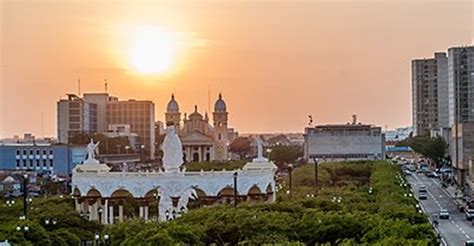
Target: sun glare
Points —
{"points": [[152, 50]]}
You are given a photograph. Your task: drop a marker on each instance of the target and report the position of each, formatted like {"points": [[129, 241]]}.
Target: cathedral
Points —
{"points": [[202, 141]]}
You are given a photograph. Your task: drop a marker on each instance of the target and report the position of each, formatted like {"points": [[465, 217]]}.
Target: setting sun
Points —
{"points": [[152, 50]]}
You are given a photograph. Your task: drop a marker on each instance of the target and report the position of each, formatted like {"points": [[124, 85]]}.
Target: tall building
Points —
{"points": [[461, 108], [461, 84], [95, 112], [340, 142], [140, 115], [75, 116], [202, 141], [429, 94]]}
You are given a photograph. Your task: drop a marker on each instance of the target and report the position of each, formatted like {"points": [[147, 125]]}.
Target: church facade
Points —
{"points": [[201, 140]]}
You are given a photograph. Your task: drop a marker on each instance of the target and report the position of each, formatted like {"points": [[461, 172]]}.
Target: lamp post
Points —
{"points": [[25, 194], [290, 172], [141, 152], [9, 203], [235, 189], [50, 222], [24, 228], [104, 239], [315, 172]]}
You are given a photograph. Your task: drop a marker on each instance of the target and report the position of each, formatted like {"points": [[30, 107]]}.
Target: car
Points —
{"points": [[423, 196], [469, 243], [443, 214], [422, 189], [407, 172]]}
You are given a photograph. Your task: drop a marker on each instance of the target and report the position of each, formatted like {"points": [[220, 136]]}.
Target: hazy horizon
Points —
{"points": [[275, 62]]}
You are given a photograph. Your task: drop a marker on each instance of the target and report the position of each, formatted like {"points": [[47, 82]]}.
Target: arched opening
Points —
{"points": [[202, 199], [93, 193], [254, 190], [76, 192], [208, 157], [125, 198], [226, 195]]}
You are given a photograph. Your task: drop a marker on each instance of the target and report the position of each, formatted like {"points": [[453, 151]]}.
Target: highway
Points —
{"points": [[455, 230]]}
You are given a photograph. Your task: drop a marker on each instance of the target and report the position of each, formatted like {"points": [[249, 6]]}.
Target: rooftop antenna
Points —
{"points": [[105, 84], [79, 86]]}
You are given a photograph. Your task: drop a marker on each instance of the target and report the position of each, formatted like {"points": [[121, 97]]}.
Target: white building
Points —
{"points": [[96, 188], [354, 141]]}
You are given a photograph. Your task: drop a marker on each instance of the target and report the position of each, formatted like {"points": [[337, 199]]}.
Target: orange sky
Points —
{"points": [[274, 61]]}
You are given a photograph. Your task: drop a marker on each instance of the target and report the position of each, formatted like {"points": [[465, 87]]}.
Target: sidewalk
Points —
{"points": [[456, 195]]}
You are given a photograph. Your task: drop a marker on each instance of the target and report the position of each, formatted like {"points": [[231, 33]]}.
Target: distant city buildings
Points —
{"points": [[202, 141], [340, 142], [96, 112]]}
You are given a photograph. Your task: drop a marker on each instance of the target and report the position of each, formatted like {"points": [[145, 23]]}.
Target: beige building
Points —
{"points": [[201, 140], [140, 115]]}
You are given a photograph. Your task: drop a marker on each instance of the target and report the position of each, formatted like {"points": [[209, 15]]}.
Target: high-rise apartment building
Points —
{"points": [[430, 94], [461, 84], [95, 112]]}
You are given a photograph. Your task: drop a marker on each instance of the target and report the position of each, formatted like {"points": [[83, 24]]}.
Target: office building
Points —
{"points": [[49, 158], [140, 116], [340, 142]]}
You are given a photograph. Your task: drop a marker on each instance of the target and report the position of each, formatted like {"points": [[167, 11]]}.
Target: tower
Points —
{"points": [[221, 140], [172, 115]]}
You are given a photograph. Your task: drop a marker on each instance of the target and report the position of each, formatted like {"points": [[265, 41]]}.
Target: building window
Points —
{"points": [[37, 163], [219, 136], [17, 163], [50, 151], [44, 163], [31, 163], [24, 163], [51, 163], [37, 152], [44, 152], [24, 152], [31, 152], [17, 152]]}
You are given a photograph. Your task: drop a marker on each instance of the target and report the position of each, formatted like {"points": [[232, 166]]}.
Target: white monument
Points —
{"points": [[91, 164], [172, 151], [94, 186]]}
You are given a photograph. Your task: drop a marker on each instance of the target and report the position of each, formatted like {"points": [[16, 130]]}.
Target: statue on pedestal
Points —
{"points": [[91, 152], [172, 151]]}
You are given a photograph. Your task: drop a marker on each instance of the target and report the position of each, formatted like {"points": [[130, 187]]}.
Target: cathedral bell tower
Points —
{"points": [[172, 114], [221, 140]]}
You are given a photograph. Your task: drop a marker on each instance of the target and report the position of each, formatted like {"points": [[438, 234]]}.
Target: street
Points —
{"points": [[455, 230]]}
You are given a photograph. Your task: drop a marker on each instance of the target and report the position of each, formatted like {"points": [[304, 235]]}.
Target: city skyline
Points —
{"points": [[307, 65]]}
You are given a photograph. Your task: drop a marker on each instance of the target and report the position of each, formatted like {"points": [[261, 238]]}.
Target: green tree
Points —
{"points": [[283, 155], [240, 146]]}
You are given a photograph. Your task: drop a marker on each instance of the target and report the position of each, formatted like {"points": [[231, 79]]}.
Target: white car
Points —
{"points": [[443, 214]]}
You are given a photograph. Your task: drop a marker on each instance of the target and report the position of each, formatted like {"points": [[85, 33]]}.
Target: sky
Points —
{"points": [[275, 62]]}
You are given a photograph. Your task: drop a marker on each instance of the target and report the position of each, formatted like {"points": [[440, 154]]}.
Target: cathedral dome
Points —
{"points": [[172, 105], [220, 106], [195, 115]]}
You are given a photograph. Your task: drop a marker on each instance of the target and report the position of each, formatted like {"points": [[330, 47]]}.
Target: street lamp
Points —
{"points": [[25, 194], [142, 147], [235, 189], [10, 203], [290, 171], [24, 228], [315, 172]]}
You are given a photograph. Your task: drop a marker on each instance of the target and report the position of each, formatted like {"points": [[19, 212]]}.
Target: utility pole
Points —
{"points": [[235, 189]]}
